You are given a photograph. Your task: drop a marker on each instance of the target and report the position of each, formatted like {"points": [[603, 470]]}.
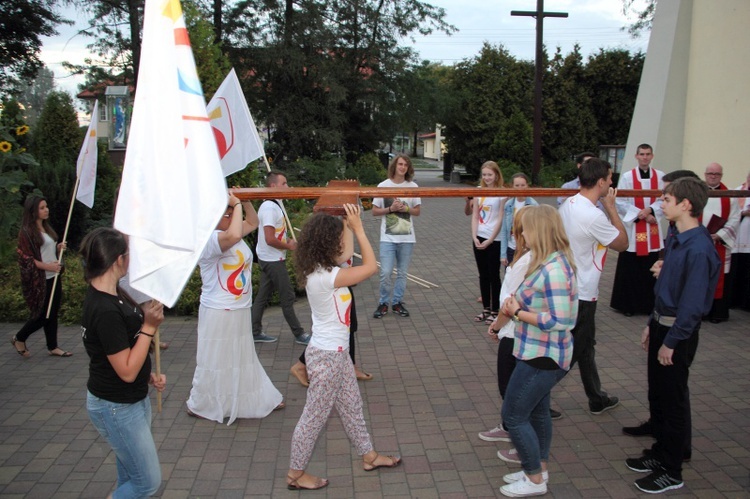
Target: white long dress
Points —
{"points": [[229, 380]]}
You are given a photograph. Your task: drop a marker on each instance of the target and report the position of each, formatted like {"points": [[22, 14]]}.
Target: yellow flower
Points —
{"points": [[22, 130], [5, 146]]}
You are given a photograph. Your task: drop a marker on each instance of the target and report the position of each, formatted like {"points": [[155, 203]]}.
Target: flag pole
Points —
{"points": [[64, 240], [157, 361]]}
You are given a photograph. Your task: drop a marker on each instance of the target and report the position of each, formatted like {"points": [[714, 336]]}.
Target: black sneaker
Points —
{"points": [[400, 309], [642, 430], [611, 403], [555, 415], [686, 455], [380, 311], [658, 482], [644, 464]]}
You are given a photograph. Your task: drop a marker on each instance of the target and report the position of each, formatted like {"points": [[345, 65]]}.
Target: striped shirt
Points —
{"points": [[552, 293]]}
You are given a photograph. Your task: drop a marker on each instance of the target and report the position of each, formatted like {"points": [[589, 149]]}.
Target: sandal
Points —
{"points": [[293, 483], [483, 316], [63, 354], [279, 407], [489, 320], [22, 353], [395, 462]]}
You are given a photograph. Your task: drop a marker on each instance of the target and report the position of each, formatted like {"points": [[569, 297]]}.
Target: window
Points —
{"points": [[103, 113]]}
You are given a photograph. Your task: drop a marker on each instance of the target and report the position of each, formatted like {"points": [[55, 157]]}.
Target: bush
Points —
{"points": [[368, 170], [13, 306]]}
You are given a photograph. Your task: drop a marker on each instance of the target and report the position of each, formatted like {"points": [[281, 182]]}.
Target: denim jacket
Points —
{"points": [[508, 223]]}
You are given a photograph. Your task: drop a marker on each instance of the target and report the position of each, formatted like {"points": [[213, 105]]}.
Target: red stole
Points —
{"points": [[720, 248], [644, 230]]}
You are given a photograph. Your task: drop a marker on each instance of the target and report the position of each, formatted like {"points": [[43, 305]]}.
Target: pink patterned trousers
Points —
{"points": [[332, 383]]}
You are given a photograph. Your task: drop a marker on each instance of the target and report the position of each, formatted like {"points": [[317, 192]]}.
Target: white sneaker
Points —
{"points": [[524, 488], [518, 475]]}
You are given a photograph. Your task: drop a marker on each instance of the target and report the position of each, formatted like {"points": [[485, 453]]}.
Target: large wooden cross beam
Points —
{"points": [[434, 192]]}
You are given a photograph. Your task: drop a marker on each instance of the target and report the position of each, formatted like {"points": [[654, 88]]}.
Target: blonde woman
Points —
{"points": [[486, 221], [544, 308]]}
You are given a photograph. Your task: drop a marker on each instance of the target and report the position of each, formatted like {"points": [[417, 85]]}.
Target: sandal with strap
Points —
{"points": [[293, 483], [489, 320], [483, 316], [395, 461], [22, 353]]}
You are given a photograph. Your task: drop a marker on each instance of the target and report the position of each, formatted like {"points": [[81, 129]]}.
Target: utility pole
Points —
{"points": [[539, 14]]}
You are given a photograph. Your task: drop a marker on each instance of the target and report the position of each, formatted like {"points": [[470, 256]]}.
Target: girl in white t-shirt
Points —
{"points": [[502, 328], [333, 382], [486, 222]]}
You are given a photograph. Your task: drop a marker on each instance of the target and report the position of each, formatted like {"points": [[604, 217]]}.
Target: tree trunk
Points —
{"points": [[218, 24], [135, 37]]}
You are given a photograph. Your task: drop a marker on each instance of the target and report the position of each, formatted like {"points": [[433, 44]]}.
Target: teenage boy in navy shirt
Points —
{"points": [[684, 294]]}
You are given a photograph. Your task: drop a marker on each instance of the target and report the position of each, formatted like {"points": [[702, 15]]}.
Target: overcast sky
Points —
{"points": [[593, 24]]}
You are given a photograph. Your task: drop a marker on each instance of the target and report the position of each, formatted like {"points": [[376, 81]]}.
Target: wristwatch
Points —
{"points": [[515, 314]]}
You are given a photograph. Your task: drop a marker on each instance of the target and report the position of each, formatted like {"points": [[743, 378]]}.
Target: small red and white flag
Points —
{"points": [[234, 130]]}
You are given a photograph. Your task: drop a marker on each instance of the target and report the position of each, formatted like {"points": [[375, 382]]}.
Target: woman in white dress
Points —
{"points": [[229, 381]]}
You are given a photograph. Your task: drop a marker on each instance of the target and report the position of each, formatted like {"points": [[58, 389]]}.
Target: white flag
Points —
{"points": [[234, 130], [86, 166], [173, 192]]}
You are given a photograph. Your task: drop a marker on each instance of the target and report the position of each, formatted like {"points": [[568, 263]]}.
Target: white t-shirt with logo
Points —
{"points": [[331, 308], [397, 227], [270, 215], [590, 233], [226, 275], [490, 215]]}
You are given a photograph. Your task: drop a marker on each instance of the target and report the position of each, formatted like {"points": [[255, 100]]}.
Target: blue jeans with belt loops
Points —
{"points": [[127, 428], [526, 413]]}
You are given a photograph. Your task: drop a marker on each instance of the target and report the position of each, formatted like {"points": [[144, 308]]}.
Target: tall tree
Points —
{"points": [[644, 16], [35, 93], [22, 24], [569, 122], [323, 73], [491, 87], [56, 142], [612, 78], [116, 27]]}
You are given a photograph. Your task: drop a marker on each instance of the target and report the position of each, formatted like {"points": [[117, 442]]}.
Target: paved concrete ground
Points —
{"points": [[434, 389]]}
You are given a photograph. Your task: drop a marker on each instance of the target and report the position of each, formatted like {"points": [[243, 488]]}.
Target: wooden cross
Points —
{"points": [[539, 14]]}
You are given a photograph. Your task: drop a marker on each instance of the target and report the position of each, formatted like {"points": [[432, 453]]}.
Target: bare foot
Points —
{"points": [[299, 371]]}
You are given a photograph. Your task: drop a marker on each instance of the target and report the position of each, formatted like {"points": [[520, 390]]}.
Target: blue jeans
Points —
{"points": [[526, 413], [392, 255], [127, 428]]}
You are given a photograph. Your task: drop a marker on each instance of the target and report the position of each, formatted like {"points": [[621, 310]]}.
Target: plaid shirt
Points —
{"points": [[551, 291]]}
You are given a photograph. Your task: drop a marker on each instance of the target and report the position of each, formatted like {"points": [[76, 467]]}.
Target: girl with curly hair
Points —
{"points": [[322, 244]]}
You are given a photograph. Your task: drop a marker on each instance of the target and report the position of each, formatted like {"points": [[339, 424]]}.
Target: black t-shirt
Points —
{"points": [[108, 326]]}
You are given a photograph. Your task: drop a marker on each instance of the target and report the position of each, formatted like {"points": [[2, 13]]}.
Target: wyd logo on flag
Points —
{"points": [[222, 125]]}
